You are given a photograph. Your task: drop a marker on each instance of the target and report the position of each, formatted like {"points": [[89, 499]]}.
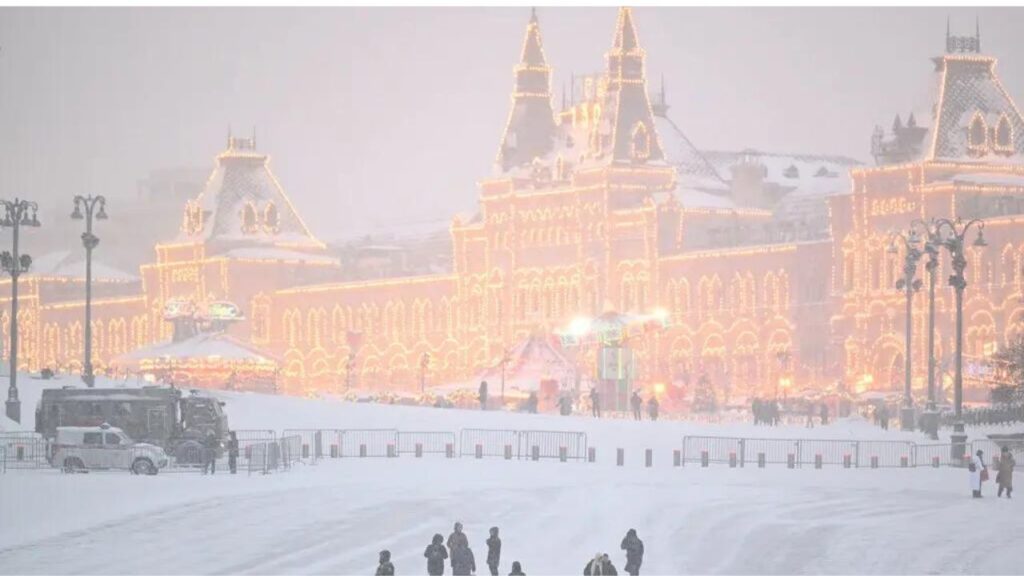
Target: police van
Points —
{"points": [[81, 448]]}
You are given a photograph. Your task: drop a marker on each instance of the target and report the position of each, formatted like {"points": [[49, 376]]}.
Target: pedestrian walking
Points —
{"points": [[637, 403], [456, 539], [463, 563], [652, 408], [483, 395], [1004, 477], [810, 415], [436, 555], [565, 405], [493, 551], [595, 403], [210, 447], [883, 416], [233, 452], [517, 569], [634, 548], [824, 414], [385, 568], [978, 473]]}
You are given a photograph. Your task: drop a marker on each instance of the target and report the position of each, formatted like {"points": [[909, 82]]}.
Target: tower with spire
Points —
{"points": [[530, 129], [633, 138]]}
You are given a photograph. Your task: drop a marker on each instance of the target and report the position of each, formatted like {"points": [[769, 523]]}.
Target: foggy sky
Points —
{"points": [[391, 115]]}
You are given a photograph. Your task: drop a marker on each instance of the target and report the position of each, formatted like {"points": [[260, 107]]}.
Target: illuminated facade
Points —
{"points": [[770, 268]]}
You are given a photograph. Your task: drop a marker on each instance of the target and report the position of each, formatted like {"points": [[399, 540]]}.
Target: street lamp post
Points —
{"points": [[954, 243], [16, 213], [504, 362], [932, 246], [90, 241], [908, 284]]}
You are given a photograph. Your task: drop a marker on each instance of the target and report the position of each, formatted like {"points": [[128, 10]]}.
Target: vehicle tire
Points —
{"points": [[143, 466], [189, 453], [73, 464]]}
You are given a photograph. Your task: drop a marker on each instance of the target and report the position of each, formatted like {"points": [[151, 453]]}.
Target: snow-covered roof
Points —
{"points": [[1007, 180], [271, 253], [696, 199], [395, 232], [244, 203], [693, 169], [969, 86], [205, 346], [813, 174], [529, 362], [71, 264]]}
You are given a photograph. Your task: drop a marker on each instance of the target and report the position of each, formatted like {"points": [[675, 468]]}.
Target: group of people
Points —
{"points": [[460, 555], [637, 403], [457, 552], [1004, 475], [766, 412]]}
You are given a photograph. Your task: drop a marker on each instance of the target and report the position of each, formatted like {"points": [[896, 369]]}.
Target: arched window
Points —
{"points": [[1004, 135], [978, 135], [248, 218], [641, 142], [270, 218]]}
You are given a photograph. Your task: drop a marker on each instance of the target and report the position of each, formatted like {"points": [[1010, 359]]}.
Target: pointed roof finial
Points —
{"points": [[229, 135], [977, 32], [533, 51], [563, 96], [253, 136], [625, 33], [533, 15], [663, 100]]}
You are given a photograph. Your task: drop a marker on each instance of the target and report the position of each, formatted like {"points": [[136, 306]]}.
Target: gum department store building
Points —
{"points": [[771, 268]]}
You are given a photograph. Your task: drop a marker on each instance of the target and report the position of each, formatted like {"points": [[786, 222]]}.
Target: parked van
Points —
{"points": [[79, 448]]}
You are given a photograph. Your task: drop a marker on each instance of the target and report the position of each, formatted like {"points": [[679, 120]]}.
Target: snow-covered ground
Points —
{"points": [[334, 517]]}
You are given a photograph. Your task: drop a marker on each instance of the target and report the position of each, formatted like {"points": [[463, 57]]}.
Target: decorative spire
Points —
{"points": [[634, 137], [531, 124]]}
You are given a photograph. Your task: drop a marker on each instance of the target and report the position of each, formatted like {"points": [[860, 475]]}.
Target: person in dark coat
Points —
{"points": [[652, 408], [456, 539], [210, 447], [463, 563], [436, 555], [595, 403], [564, 405], [517, 569], [1004, 476], [233, 452], [637, 403], [483, 395], [493, 551], [386, 568], [824, 414], [634, 548]]}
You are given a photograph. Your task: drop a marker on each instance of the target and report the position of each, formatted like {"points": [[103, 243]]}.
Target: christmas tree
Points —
{"points": [[704, 396]]}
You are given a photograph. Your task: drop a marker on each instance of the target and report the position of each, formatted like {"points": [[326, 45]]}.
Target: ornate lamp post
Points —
{"points": [[90, 241], [954, 243], [908, 284], [15, 214], [932, 246]]}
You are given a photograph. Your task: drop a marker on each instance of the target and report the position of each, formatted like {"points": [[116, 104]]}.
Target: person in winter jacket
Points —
{"points": [[386, 568], [457, 539], [595, 403], [652, 408], [600, 566], [1004, 477], [634, 548], [493, 551], [517, 569], [436, 555], [978, 473], [483, 395], [233, 452], [637, 403], [824, 414], [463, 563], [210, 447]]}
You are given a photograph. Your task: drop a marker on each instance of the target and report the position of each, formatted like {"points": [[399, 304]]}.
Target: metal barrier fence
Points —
{"points": [[291, 450], [489, 443], [426, 443], [24, 450], [550, 444], [372, 443], [741, 452]]}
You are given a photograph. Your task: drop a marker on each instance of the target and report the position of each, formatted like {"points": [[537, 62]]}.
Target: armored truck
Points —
{"points": [[161, 415]]}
